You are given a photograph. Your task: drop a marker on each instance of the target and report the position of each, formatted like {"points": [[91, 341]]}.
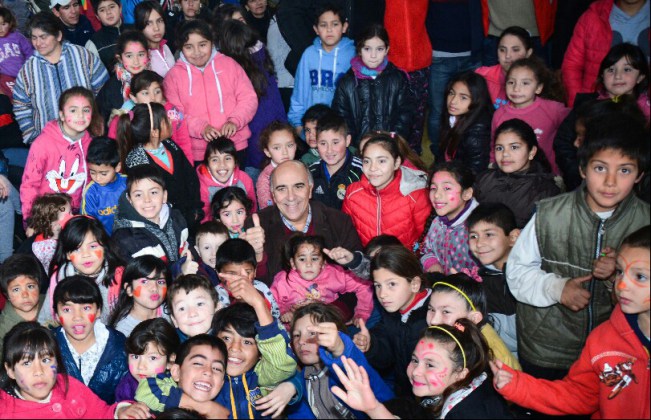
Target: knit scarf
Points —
{"points": [[322, 401], [363, 72], [125, 77]]}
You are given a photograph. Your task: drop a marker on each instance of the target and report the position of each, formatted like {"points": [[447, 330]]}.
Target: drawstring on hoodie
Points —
{"points": [[215, 73], [334, 67], [233, 405]]}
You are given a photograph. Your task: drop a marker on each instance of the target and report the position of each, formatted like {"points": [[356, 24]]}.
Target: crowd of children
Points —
{"points": [[207, 225]]}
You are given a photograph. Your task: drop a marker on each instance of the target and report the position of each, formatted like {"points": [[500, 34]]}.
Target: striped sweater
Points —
{"points": [[40, 83]]}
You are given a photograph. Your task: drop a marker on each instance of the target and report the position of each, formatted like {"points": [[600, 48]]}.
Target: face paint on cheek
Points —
{"points": [[137, 291], [72, 258], [430, 346], [91, 318], [159, 370], [61, 320], [99, 253], [54, 369], [163, 292]]}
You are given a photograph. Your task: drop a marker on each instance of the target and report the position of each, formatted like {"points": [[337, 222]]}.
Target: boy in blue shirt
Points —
{"points": [[322, 64], [100, 198]]}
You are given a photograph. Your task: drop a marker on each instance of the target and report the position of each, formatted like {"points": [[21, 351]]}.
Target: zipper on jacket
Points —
{"points": [[600, 236], [379, 212]]}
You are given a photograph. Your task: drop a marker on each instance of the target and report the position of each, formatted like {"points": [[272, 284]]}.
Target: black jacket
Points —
{"points": [[474, 148], [110, 97], [80, 33], [393, 342], [182, 183], [566, 153], [332, 192], [499, 298], [518, 191], [384, 103], [482, 403], [133, 235], [105, 40]]}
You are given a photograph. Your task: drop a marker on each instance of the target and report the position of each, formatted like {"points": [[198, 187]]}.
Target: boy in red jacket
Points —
{"points": [[611, 377]]}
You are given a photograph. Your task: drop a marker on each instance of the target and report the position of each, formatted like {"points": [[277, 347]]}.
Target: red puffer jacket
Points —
{"points": [[589, 45], [399, 209]]}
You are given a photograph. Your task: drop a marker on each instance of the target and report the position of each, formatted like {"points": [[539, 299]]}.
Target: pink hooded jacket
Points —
{"points": [[55, 164], [209, 187], [221, 92], [290, 289]]}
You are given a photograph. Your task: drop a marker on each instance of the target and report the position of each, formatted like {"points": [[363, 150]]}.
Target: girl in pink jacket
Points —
{"points": [[35, 384], [309, 277], [514, 43], [57, 159], [212, 90]]}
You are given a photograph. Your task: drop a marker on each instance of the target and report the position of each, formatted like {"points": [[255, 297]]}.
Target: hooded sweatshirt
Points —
{"points": [[209, 187], [218, 93], [15, 49], [610, 379], [292, 291], [317, 76], [55, 164]]}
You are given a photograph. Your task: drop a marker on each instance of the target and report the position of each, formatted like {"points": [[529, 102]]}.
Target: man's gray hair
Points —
{"points": [[298, 164]]}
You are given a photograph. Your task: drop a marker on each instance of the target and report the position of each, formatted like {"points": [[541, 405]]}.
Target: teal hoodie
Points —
{"points": [[317, 76]]}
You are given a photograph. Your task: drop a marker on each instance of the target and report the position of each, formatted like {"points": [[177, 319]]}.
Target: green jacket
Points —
{"points": [[570, 237], [9, 318]]}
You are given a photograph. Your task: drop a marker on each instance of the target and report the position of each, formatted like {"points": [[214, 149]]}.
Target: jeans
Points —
{"points": [[441, 71], [9, 206]]}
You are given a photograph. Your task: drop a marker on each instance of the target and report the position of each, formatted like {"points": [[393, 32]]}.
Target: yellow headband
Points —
{"points": [[463, 353], [458, 290]]}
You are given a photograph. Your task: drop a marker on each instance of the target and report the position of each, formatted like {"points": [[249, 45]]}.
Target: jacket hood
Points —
{"points": [[127, 215], [412, 180], [210, 66], [344, 42], [407, 180]]}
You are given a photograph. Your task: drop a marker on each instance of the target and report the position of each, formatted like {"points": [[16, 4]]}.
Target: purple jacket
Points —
{"points": [[126, 389], [15, 49], [270, 108]]}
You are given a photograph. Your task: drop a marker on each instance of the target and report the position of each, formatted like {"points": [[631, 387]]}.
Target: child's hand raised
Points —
{"points": [[255, 236], [363, 338], [241, 287], [604, 267], [189, 266], [358, 394], [340, 255], [501, 376], [328, 337], [133, 411], [287, 317], [276, 401]]}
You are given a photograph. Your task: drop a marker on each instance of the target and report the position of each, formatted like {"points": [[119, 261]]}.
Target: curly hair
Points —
{"points": [[46, 210]]}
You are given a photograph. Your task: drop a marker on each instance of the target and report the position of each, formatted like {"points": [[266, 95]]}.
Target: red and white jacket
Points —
{"points": [[610, 379]]}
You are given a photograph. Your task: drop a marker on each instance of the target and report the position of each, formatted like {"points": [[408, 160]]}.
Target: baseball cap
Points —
{"points": [[54, 3]]}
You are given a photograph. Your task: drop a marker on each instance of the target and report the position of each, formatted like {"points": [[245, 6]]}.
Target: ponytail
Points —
{"points": [[124, 137]]}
